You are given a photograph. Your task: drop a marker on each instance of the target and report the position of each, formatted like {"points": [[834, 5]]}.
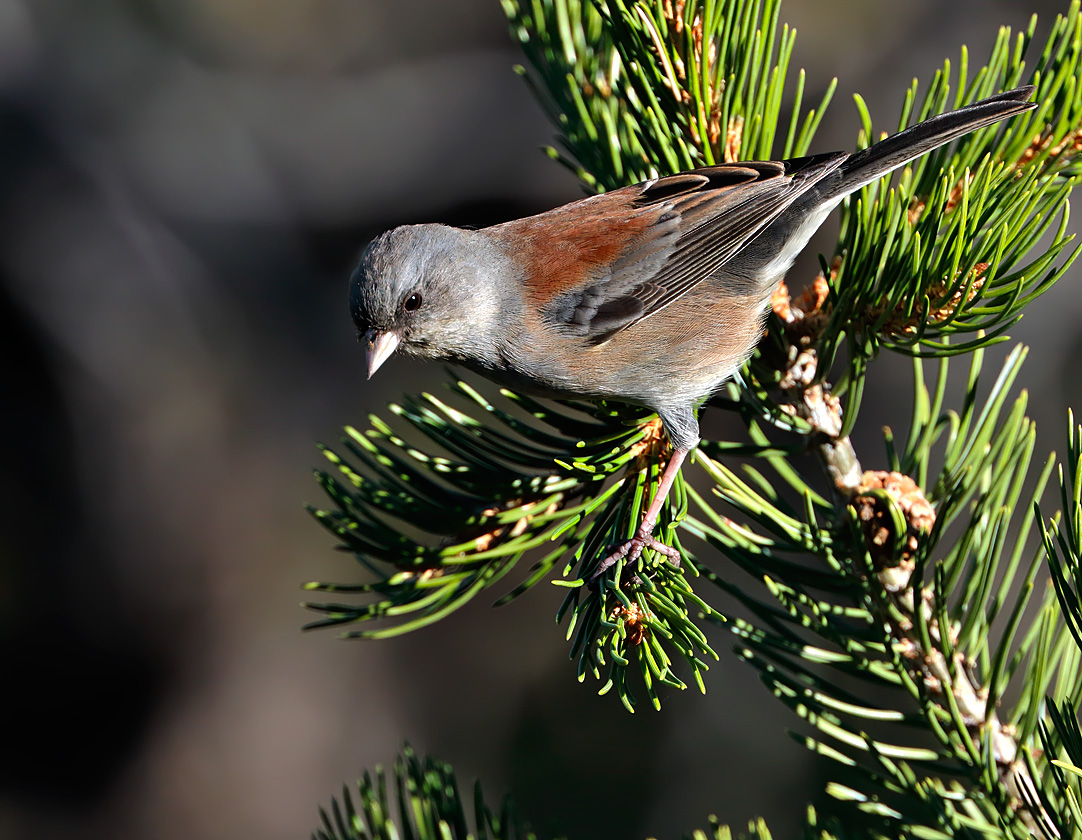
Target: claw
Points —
{"points": [[631, 550], [645, 536]]}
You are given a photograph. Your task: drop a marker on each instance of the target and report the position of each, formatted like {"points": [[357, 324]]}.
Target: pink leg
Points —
{"points": [[645, 536]]}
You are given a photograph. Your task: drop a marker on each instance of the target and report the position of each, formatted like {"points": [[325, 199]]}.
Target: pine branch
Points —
{"points": [[890, 508], [690, 84], [423, 803]]}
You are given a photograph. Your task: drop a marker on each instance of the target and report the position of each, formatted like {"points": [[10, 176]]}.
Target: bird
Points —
{"points": [[653, 294]]}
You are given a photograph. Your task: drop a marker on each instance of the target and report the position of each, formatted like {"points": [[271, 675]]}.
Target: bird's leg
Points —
{"points": [[645, 536]]}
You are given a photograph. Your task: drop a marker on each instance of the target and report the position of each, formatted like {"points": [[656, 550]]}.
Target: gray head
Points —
{"points": [[425, 288]]}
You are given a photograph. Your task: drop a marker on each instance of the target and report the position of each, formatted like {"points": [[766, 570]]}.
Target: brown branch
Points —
{"points": [[808, 397]]}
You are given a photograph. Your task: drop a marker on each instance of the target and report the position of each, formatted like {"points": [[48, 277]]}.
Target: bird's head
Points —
{"points": [[427, 289]]}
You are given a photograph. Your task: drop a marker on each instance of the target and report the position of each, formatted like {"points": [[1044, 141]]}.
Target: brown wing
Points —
{"points": [[598, 265]]}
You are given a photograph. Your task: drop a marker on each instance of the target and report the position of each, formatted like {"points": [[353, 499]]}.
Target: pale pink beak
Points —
{"points": [[380, 347]]}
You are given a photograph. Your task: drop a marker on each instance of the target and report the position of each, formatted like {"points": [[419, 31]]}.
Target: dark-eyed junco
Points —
{"points": [[652, 294]]}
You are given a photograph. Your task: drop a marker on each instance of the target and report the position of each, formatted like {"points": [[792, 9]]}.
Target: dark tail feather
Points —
{"points": [[874, 162]]}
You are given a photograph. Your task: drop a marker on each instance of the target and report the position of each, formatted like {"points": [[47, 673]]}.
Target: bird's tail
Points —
{"points": [[899, 149]]}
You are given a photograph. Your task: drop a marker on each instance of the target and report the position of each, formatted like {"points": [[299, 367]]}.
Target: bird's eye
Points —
{"points": [[412, 303]]}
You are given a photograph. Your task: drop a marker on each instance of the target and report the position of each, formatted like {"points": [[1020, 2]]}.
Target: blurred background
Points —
{"points": [[184, 187]]}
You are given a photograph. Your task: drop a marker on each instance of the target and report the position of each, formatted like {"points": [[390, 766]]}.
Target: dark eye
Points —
{"points": [[412, 303]]}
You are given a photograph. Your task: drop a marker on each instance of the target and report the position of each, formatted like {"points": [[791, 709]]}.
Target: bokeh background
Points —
{"points": [[184, 186]]}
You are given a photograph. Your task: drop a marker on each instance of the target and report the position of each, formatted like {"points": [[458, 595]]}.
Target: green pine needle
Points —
{"points": [[421, 802]]}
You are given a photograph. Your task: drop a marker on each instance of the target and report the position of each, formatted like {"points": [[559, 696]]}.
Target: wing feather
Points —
{"points": [[597, 266]]}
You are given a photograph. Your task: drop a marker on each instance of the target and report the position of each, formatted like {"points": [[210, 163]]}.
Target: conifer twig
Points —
{"points": [[948, 681]]}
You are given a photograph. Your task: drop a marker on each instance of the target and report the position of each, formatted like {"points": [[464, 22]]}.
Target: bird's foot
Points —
{"points": [[631, 550]]}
